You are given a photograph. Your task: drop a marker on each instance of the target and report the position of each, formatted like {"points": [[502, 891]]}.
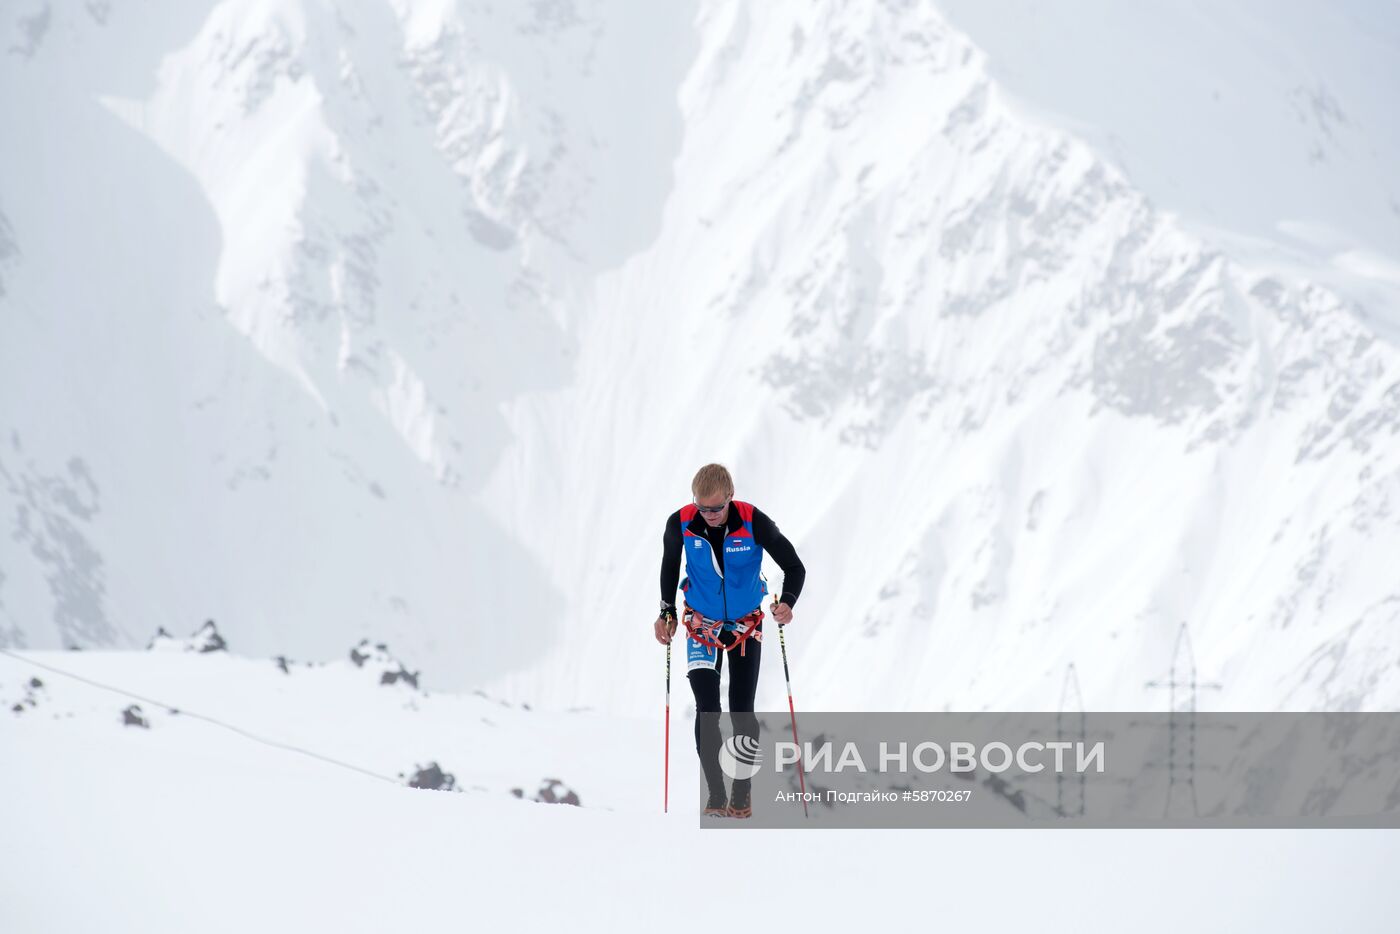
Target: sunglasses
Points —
{"points": [[712, 510]]}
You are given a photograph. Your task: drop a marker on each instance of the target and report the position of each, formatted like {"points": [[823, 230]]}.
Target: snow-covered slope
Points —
{"points": [[364, 713], [414, 320], [184, 825]]}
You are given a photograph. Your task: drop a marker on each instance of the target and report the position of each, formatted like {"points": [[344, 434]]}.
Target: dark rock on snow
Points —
{"points": [[391, 670], [431, 776], [552, 791], [204, 639]]}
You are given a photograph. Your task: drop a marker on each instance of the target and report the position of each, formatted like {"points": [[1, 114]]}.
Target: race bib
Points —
{"points": [[699, 656]]}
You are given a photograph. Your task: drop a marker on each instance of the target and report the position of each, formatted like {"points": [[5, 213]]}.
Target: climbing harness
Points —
{"points": [[708, 631]]}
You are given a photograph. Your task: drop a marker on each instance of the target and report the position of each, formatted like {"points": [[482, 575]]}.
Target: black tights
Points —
{"points": [[743, 685]]}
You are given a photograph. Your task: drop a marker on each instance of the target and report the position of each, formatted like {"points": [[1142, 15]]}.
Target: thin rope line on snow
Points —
{"points": [[276, 744]]}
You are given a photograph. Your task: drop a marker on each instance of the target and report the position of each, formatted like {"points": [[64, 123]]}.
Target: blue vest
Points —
{"points": [[739, 588]]}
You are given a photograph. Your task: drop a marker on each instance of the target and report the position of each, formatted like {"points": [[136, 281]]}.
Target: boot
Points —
{"points": [[739, 802], [717, 806]]}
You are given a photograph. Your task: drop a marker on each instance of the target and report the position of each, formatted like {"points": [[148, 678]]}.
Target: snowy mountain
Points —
{"points": [[383, 336], [1014, 416], [411, 321], [1264, 126]]}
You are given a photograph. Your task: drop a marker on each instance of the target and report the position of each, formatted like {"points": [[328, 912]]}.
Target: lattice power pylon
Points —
{"points": [[1181, 727], [1070, 727]]}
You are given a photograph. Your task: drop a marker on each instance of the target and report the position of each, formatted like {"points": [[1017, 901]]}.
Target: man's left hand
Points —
{"points": [[782, 613]]}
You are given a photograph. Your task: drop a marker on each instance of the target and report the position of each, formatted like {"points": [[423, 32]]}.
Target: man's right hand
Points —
{"points": [[664, 630]]}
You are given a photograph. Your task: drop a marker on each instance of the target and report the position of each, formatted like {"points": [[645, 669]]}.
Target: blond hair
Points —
{"points": [[712, 480]]}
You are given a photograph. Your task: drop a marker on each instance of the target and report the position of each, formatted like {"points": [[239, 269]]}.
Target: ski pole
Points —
{"points": [[801, 780], [666, 770]]}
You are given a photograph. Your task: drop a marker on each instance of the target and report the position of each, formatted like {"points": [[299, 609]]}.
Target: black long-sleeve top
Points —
{"points": [[765, 535]]}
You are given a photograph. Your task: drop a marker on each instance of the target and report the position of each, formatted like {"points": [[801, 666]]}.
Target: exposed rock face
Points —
{"points": [[377, 657]]}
